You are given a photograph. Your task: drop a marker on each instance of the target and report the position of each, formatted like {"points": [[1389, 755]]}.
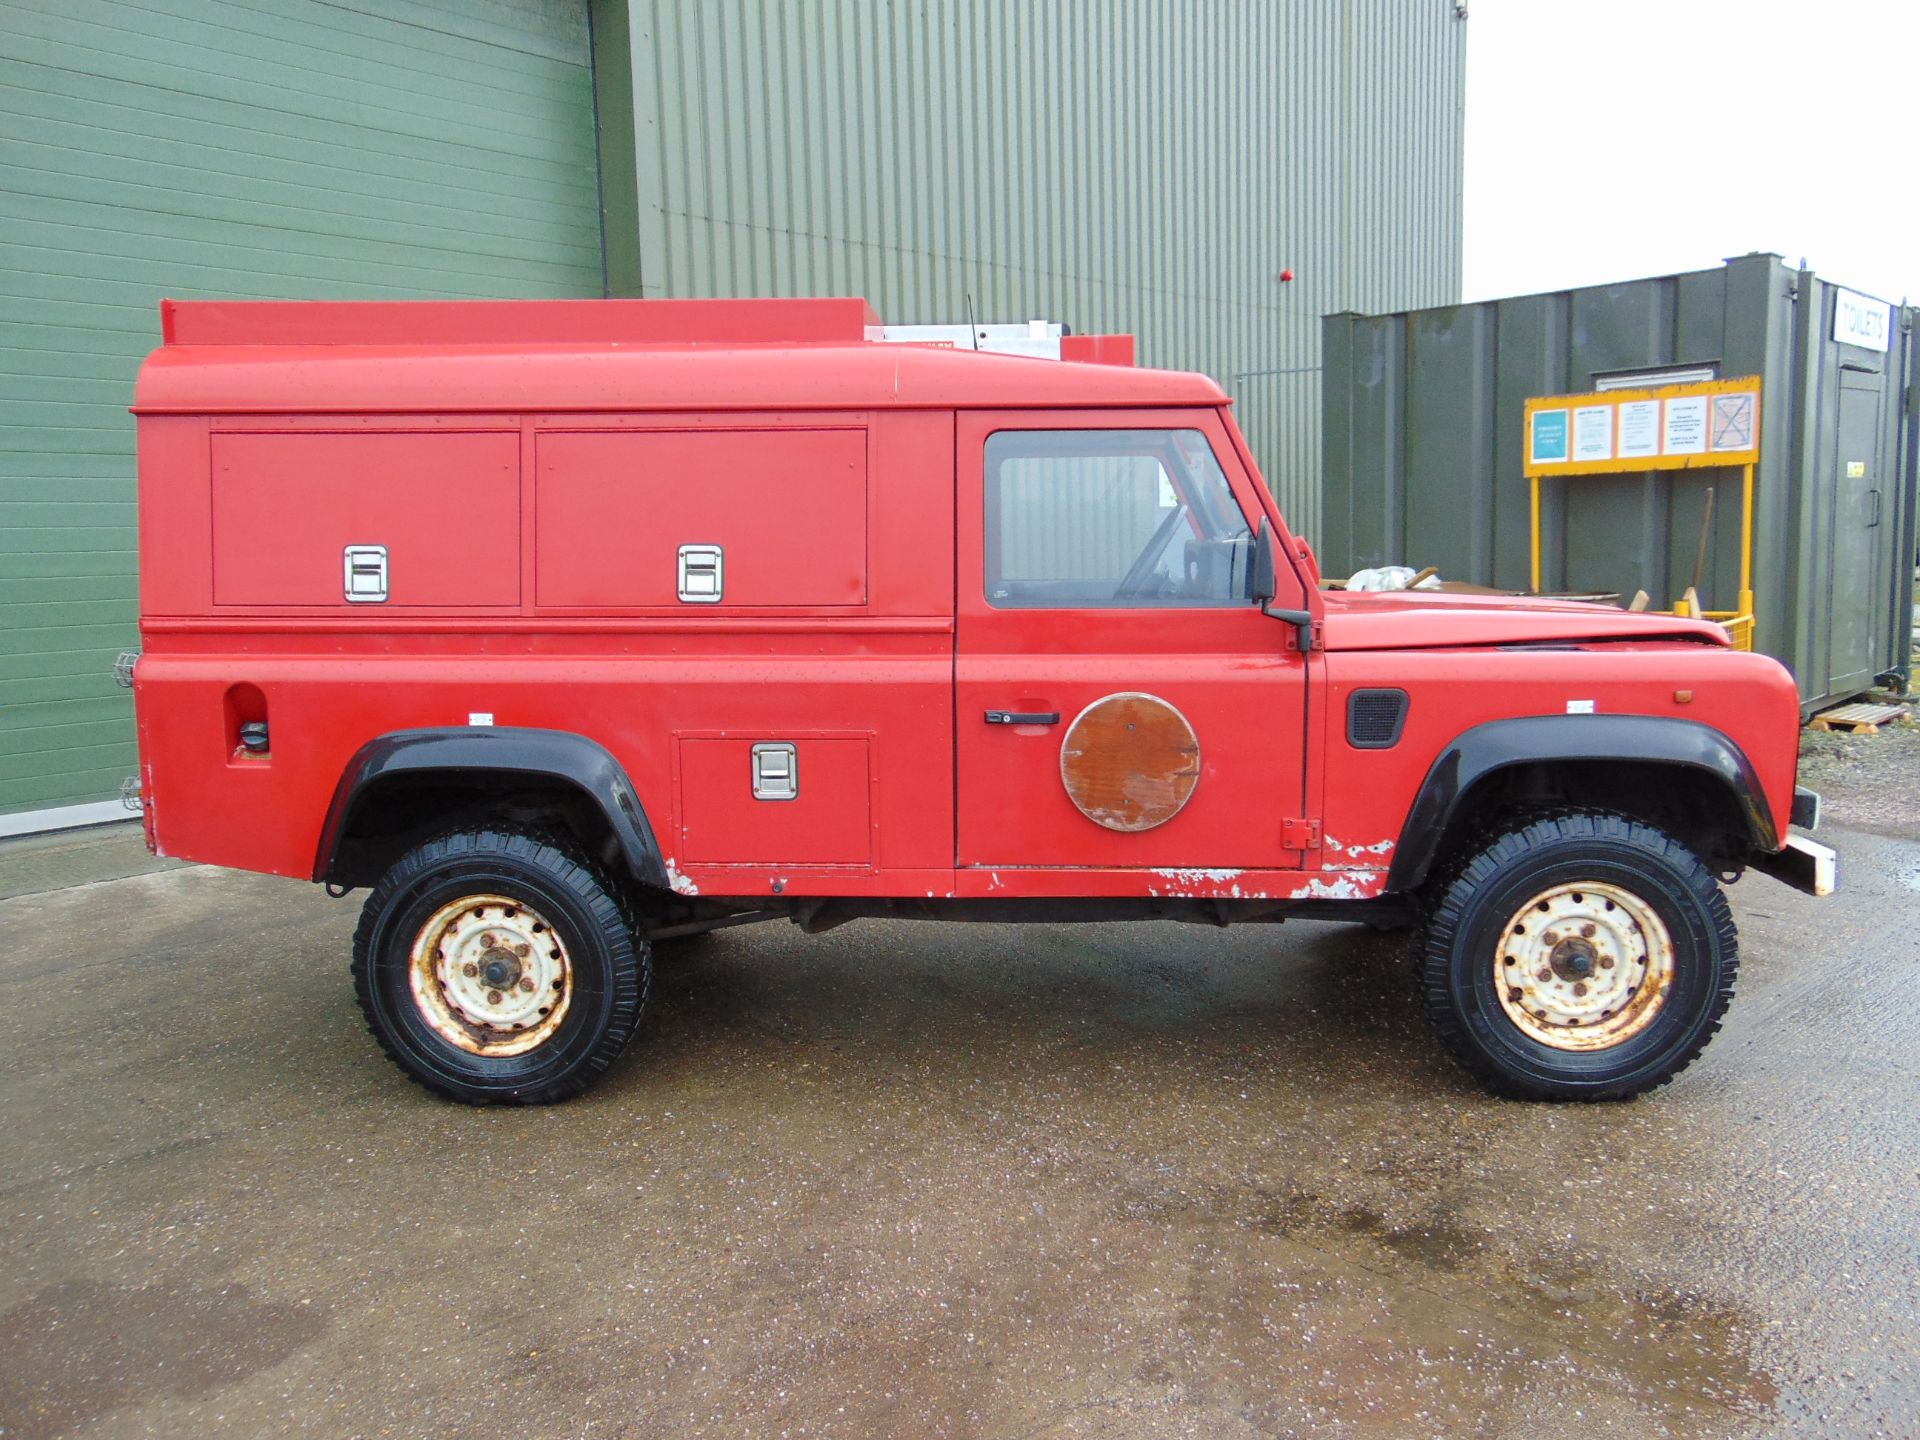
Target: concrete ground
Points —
{"points": [[949, 1180]]}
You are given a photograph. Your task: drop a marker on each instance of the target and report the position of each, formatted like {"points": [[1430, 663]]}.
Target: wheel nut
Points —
{"points": [[493, 997], [1588, 931], [470, 970], [1606, 962], [526, 984], [1580, 988], [523, 950], [1544, 975]]}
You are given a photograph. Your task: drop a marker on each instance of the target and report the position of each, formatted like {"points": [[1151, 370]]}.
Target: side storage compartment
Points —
{"points": [[388, 518], [779, 799], [728, 517]]}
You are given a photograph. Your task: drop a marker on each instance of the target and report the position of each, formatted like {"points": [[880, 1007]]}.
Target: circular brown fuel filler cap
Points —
{"points": [[1130, 761]]}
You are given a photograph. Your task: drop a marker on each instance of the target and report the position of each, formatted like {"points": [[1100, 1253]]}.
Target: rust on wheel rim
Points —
{"points": [[1584, 966], [490, 975]]}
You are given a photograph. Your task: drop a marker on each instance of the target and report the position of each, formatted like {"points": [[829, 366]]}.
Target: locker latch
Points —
{"points": [[366, 579], [776, 772], [701, 574]]}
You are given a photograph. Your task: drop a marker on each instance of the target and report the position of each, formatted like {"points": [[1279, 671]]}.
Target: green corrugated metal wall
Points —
{"points": [[1145, 167], [372, 148]]}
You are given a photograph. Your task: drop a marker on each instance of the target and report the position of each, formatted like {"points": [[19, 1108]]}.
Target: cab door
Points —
{"points": [[1121, 703]]}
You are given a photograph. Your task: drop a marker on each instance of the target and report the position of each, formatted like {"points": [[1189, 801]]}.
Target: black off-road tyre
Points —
{"points": [[1471, 944], [555, 901]]}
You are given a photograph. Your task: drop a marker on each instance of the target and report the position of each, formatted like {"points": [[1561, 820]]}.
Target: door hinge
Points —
{"points": [[1299, 834]]}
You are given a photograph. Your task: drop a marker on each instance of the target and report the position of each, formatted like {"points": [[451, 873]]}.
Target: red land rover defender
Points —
{"points": [[569, 628]]}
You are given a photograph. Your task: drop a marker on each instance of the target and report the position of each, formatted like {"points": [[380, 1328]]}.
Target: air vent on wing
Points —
{"points": [[1374, 718]]}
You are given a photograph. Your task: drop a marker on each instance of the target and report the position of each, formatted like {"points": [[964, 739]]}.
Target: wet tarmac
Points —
{"points": [[899, 1180]]}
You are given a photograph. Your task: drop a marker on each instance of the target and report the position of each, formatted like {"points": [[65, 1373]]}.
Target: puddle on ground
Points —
{"points": [[79, 1351], [1387, 1304]]}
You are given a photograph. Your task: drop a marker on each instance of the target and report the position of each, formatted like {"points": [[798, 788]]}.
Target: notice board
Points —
{"points": [[1670, 427]]}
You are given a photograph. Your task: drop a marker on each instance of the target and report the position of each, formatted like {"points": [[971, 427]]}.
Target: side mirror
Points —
{"points": [[1266, 584]]}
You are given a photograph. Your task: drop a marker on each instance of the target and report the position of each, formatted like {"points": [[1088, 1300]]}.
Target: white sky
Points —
{"points": [[1610, 139]]}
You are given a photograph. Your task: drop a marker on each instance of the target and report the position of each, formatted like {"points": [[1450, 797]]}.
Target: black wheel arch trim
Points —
{"points": [[1498, 744], [463, 750]]}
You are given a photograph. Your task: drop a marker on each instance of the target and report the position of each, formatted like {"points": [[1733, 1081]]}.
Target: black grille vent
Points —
{"points": [[1374, 718]]}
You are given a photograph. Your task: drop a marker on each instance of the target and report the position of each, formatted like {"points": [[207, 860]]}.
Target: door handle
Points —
{"points": [[1023, 717]]}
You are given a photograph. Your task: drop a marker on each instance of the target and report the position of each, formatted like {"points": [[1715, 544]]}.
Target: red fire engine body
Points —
{"points": [[636, 618]]}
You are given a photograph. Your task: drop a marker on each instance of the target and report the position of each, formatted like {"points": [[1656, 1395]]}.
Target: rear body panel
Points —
{"points": [[854, 667]]}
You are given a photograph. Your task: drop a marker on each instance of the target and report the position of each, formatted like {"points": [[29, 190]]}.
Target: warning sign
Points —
{"points": [[1547, 437], [1732, 427], [1685, 432], [1593, 432], [1639, 429], [1669, 427]]}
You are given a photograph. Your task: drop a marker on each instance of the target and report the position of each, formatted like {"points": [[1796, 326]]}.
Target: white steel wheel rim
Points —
{"points": [[1584, 966], [490, 975]]}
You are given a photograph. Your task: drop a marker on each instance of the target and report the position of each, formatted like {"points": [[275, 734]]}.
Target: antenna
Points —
{"points": [[973, 325]]}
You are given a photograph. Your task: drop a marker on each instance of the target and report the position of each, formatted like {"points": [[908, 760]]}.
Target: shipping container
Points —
{"points": [[1424, 445]]}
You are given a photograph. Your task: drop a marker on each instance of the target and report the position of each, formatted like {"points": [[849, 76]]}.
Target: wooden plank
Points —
{"points": [[1863, 717]]}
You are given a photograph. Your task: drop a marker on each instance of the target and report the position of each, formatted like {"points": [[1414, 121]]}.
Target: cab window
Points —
{"points": [[1081, 519]]}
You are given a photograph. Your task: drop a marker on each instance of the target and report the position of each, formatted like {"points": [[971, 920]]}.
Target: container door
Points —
{"points": [[1120, 701], [1857, 619]]}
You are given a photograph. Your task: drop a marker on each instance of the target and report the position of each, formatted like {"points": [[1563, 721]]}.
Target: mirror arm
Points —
{"points": [[1302, 622], [1264, 579]]}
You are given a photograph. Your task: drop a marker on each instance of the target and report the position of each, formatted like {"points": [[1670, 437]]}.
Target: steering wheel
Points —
{"points": [[1134, 581]]}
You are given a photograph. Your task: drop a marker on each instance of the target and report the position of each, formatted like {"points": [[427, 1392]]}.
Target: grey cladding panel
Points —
{"points": [[1148, 169]]}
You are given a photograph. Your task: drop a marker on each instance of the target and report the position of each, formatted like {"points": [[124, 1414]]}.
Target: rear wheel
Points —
{"points": [[497, 967], [1579, 957]]}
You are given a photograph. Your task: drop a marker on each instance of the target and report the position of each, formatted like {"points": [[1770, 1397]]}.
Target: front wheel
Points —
{"points": [[1580, 957], [497, 967]]}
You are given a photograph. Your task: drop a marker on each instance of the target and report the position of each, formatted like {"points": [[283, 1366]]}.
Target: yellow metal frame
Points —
{"points": [[1708, 459], [1739, 623]]}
